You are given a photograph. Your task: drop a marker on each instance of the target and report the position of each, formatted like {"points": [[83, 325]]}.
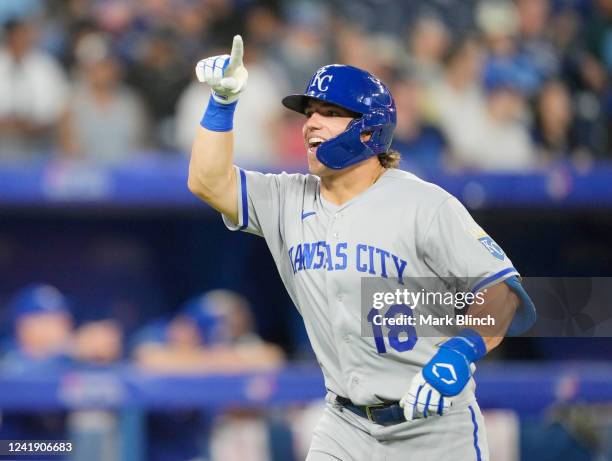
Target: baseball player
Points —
{"points": [[392, 395]]}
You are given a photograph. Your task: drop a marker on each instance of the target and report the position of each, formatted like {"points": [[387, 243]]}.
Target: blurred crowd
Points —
{"points": [[213, 332], [510, 85]]}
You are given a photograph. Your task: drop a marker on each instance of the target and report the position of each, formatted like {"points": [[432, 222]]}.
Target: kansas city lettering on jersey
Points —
{"points": [[364, 258]]}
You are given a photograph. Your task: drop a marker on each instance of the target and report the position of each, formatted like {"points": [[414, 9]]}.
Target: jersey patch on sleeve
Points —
{"points": [[492, 247]]}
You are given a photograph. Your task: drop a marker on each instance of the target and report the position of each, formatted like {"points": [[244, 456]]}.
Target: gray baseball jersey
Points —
{"points": [[401, 228]]}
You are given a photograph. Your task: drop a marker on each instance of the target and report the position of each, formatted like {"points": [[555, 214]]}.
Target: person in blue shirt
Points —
{"points": [[421, 144], [211, 332], [42, 329]]}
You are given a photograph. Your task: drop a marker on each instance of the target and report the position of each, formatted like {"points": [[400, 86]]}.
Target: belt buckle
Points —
{"points": [[368, 410]]}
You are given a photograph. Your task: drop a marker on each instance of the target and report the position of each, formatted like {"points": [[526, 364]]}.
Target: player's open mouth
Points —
{"points": [[313, 143]]}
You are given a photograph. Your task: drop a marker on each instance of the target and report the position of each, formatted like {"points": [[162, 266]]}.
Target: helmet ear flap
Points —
{"points": [[380, 133], [375, 135]]}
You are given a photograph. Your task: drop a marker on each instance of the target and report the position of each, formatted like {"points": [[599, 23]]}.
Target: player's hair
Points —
{"points": [[390, 159]]}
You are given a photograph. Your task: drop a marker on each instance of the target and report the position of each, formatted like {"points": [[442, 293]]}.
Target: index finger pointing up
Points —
{"points": [[237, 52]]}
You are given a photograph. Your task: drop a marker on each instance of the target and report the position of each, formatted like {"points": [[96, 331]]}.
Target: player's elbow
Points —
{"points": [[199, 186], [194, 185], [212, 189]]}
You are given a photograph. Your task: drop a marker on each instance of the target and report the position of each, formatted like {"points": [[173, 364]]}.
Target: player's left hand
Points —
{"points": [[423, 400], [226, 74], [444, 376]]}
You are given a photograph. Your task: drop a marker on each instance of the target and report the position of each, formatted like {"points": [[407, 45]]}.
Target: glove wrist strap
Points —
{"points": [[469, 343], [219, 117]]}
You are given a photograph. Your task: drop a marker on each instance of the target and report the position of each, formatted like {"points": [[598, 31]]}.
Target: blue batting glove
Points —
{"points": [[449, 370], [444, 376]]}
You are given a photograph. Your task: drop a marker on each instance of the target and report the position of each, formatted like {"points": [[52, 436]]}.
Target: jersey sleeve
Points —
{"points": [[458, 249], [258, 202], [262, 203]]}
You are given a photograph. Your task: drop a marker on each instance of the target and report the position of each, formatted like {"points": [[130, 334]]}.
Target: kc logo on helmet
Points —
{"points": [[321, 81]]}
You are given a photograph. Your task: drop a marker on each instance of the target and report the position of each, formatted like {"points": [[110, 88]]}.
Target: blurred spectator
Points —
{"points": [[381, 55], [98, 342], [535, 37], [170, 347], [379, 16], [257, 115], [223, 19], [555, 135], [44, 336], [191, 25], [42, 333], [42, 326], [305, 45], [104, 120], [598, 33], [76, 31], [429, 40], [45, 342], [19, 9], [586, 80], [115, 16], [263, 25], [418, 142], [212, 332], [456, 102], [595, 68], [354, 48], [160, 76], [33, 90], [500, 141], [499, 21]]}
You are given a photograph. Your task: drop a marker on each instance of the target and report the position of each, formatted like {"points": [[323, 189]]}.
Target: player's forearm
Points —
{"points": [[500, 303], [210, 167]]}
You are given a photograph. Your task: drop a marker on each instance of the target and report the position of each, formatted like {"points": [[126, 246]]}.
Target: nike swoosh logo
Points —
{"points": [[308, 213]]}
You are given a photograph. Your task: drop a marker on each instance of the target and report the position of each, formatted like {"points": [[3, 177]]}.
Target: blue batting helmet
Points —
{"points": [[38, 299], [209, 320], [360, 92]]}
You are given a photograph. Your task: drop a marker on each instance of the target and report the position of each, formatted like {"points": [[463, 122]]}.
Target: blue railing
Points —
{"points": [[528, 389], [157, 180]]}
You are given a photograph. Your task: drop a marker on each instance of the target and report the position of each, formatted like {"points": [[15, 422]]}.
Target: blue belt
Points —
{"points": [[385, 414]]}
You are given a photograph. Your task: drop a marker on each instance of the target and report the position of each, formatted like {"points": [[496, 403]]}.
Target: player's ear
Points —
{"points": [[365, 136]]}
